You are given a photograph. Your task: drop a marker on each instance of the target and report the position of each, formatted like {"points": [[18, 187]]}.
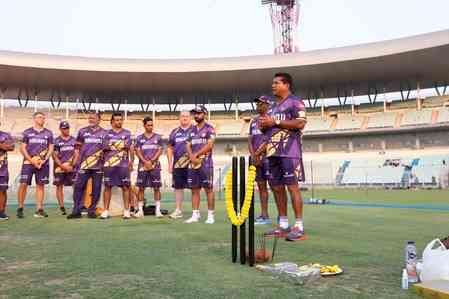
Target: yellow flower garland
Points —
{"points": [[238, 220]]}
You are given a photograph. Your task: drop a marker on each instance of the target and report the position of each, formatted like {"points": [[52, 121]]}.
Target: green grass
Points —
{"points": [[153, 258]]}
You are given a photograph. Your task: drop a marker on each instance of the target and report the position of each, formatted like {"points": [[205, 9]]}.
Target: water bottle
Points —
{"points": [[404, 279], [410, 261]]}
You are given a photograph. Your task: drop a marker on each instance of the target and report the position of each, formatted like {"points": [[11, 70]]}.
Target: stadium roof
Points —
{"points": [[368, 68]]}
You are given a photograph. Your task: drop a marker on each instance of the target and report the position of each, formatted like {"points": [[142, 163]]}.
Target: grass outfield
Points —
{"points": [[153, 258]]}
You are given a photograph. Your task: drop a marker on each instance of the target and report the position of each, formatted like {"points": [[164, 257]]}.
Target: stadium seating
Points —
{"points": [[417, 117], [348, 122], [443, 115], [381, 120], [317, 124]]}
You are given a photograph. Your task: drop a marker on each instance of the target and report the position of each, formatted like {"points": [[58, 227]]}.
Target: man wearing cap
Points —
{"points": [[257, 143], [36, 149], [148, 149], [284, 124], [117, 164], [89, 155], [63, 172], [200, 173], [178, 160], [6, 145]]}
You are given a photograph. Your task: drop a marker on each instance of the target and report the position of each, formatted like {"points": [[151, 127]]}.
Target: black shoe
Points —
{"points": [[84, 211], [63, 211], [40, 214], [74, 216], [3, 216], [20, 213], [92, 215]]}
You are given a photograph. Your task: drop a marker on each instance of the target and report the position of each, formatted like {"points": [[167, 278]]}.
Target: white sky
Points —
{"points": [[203, 28]]}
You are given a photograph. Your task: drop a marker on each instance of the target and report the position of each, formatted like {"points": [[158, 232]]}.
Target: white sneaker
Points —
{"points": [[176, 214], [126, 214], [104, 214], [159, 214], [192, 219], [138, 214], [210, 220]]}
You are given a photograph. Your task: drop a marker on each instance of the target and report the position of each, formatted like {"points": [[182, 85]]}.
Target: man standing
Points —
{"points": [[6, 145], [200, 174], [36, 148], [89, 159], [117, 164], [148, 150], [63, 173], [257, 146], [178, 160], [286, 120]]}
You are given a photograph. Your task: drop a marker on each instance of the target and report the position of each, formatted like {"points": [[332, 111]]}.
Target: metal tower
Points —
{"points": [[285, 19]]}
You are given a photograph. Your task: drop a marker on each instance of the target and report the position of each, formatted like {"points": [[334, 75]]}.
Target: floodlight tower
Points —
{"points": [[285, 20]]}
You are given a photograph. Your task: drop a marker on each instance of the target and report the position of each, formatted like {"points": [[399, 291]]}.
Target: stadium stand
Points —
{"points": [[318, 124], [381, 120], [443, 115], [417, 117], [347, 122]]}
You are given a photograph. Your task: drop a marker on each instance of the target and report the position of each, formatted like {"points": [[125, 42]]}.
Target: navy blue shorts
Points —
{"points": [[151, 179], [285, 171], [180, 177], [201, 177]]}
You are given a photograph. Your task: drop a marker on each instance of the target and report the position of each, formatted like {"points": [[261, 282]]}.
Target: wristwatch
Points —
{"points": [[277, 122]]}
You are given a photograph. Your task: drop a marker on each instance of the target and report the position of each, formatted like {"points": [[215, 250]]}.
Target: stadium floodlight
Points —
{"points": [[285, 21]]}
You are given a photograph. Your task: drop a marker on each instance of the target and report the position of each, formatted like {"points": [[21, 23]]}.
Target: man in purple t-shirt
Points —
{"points": [[88, 159], [117, 164], [36, 148], [6, 145], [284, 124], [257, 143], [178, 160], [200, 173], [149, 148], [63, 173]]}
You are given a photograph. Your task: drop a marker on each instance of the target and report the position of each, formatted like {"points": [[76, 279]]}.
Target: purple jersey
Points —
{"points": [[199, 138], [116, 148], [4, 138], [37, 142], [91, 152], [65, 148], [257, 137], [283, 142], [149, 146], [177, 140]]}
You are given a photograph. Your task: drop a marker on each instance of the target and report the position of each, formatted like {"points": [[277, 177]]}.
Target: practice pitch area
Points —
{"points": [[156, 257]]}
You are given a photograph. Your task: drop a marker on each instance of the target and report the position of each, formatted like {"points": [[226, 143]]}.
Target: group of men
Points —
{"points": [[106, 157]]}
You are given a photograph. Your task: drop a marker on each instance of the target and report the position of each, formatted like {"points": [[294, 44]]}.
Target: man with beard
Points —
{"points": [[200, 173], [284, 123], [6, 145], [178, 160]]}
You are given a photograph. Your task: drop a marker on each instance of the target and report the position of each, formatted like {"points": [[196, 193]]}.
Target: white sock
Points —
{"points": [[283, 222], [158, 205], [210, 213], [141, 206], [196, 213], [299, 224]]}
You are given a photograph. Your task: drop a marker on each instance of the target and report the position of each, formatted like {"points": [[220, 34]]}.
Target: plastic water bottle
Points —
{"points": [[404, 279], [410, 261]]}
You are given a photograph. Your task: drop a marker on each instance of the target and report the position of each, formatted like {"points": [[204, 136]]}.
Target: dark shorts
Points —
{"points": [[263, 171], [200, 178], [180, 177], [151, 179], [116, 177], [285, 171], [40, 175], [4, 180], [64, 179]]}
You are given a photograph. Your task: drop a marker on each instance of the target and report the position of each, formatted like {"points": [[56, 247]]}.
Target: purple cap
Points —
{"points": [[199, 109], [64, 125], [263, 99]]}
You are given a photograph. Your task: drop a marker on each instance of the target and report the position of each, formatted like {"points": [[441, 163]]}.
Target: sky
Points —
{"points": [[203, 28]]}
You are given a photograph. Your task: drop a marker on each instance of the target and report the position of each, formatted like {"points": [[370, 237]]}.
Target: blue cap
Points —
{"points": [[199, 109], [64, 125], [263, 99]]}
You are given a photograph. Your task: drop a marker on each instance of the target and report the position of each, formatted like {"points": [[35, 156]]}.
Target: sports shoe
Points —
{"points": [[91, 215], [159, 214], [138, 214], [3, 216], [176, 214], [277, 233], [40, 214], [84, 211], [295, 234], [262, 220], [20, 213], [63, 211], [126, 215], [210, 220], [193, 219], [74, 216], [104, 214]]}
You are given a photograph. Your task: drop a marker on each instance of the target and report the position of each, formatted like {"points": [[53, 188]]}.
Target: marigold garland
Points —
{"points": [[239, 219]]}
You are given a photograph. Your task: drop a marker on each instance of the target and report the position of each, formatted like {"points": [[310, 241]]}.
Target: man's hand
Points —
{"points": [[148, 164], [266, 122], [37, 163]]}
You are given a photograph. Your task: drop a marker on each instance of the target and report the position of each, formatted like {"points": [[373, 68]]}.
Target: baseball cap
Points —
{"points": [[199, 109], [263, 99], [64, 125]]}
